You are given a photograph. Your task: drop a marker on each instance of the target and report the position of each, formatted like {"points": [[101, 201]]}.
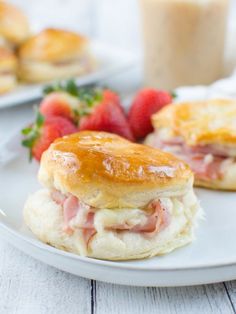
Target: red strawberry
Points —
{"points": [[145, 104], [59, 104], [94, 109], [43, 132], [61, 124], [108, 117], [48, 134], [110, 96], [71, 102]]}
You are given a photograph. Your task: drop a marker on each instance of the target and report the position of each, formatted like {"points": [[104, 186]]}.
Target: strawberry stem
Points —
{"points": [[31, 133], [173, 94], [88, 95]]}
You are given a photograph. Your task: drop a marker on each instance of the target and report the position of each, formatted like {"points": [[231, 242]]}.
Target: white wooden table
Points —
{"points": [[29, 286]]}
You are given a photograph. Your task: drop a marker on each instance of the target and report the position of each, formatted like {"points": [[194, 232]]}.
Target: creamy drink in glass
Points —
{"points": [[183, 41]]}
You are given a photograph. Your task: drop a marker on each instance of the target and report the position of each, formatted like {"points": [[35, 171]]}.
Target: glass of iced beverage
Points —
{"points": [[183, 41]]}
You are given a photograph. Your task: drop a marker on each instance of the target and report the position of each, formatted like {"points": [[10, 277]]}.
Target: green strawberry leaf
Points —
{"points": [[30, 139], [68, 86], [39, 119], [84, 111], [47, 90], [76, 112], [26, 131], [32, 133], [58, 86], [89, 94], [71, 88], [173, 94], [27, 143]]}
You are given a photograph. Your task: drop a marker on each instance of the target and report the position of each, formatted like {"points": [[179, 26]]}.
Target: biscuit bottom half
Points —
{"points": [[112, 234]]}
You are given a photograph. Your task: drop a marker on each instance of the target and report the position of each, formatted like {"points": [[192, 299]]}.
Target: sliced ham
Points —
{"points": [[157, 217], [156, 221], [88, 227], [58, 197], [71, 206], [196, 157], [89, 223], [88, 234], [218, 151], [205, 170]]}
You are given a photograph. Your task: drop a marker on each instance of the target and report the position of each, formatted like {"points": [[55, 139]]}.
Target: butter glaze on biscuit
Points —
{"points": [[200, 122], [106, 170]]}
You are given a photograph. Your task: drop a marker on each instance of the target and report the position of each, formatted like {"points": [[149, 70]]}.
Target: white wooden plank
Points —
{"points": [[28, 286], [231, 289], [200, 299]]}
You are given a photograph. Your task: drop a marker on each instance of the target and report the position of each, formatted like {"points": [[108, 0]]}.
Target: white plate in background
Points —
{"points": [[111, 61], [211, 258]]}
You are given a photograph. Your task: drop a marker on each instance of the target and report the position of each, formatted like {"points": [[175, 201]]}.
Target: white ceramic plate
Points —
{"points": [[110, 62], [211, 258]]}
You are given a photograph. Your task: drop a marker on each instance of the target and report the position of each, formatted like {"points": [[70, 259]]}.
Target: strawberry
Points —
{"points": [[96, 109], [69, 101], [43, 132], [145, 104], [109, 117], [110, 96], [48, 134], [59, 104]]}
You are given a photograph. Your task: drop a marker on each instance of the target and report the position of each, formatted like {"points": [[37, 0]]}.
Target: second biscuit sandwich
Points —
{"points": [[203, 134], [54, 54]]}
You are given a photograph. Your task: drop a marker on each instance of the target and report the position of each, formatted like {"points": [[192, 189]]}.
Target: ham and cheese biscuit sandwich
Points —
{"points": [[14, 25], [203, 134], [108, 198], [8, 67], [54, 54]]}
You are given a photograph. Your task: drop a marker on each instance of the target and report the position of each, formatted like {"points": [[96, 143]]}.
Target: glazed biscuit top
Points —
{"points": [[53, 45], [200, 122], [95, 156], [14, 25]]}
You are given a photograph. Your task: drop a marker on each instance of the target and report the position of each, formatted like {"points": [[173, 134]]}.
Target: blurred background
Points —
{"points": [[114, 22]]}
